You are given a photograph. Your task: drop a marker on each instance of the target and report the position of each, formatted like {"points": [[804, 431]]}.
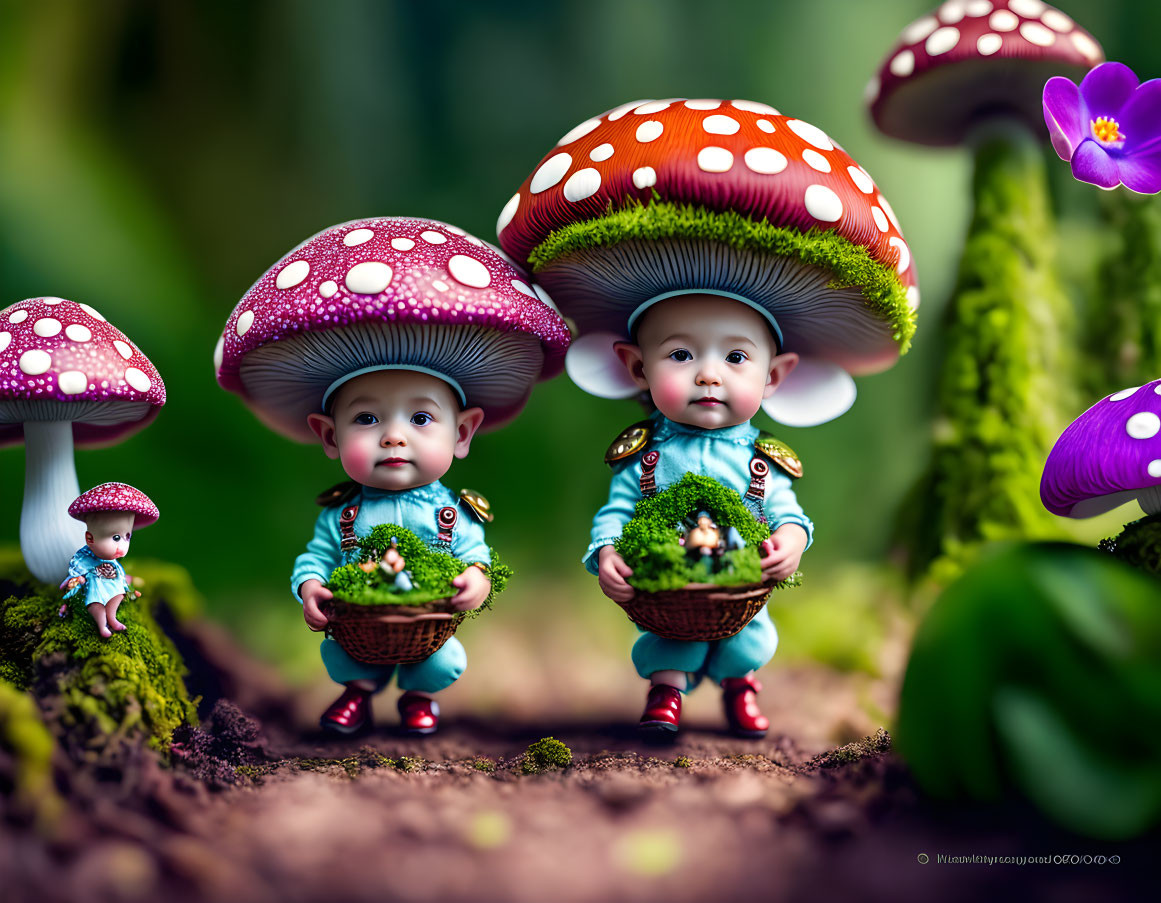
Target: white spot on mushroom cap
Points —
{"points": [[292, 274], [1035, 33], [46, 327], [912, 297], [952, 11], [1123, 394], [862, 180], [125, 351], [18, 316], [989, 43], [919, 29], [137, 379], [550, 172], [902, 64], [1085, 45], [1154, 469], [649, 130], [219, 353], [92, 312], [942, 41], [1029, 8], [766, 125], [245, 321], [507, 213], [890, 213], [1143, 425], [644, 177], [1157, 389], [437, 284], [719, 124], [815, 160], [871, 91], [5, 340], [372, 276], [714, 159], [811, 134], [823, 204], [52, 300], [703, 104], [35, 362], [765, 160], [72, 382], [469, 271], [1057, 21], [402, 244], [328, 289], [601, 152], [432, 237], [582, 184], [978, 8], [904, 253], [653, 106], [75, 332], [357, 237], [752, 106], [523, 287], [579, 131], [1002, 20], [880, 218], [617, 112]]}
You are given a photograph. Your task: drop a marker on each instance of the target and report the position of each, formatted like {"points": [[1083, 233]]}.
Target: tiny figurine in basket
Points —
{"points": [[111, 513], [392, 341], [716, 258]]}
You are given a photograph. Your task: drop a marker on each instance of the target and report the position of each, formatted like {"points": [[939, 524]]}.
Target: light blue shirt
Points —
{"points": [[722, 454], [415, 509], [96, 588]]}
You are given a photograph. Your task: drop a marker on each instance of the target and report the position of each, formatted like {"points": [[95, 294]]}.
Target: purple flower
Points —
{"points": [[1108, 128]]}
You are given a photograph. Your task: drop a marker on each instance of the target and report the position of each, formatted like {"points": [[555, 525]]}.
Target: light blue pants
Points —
{"points": [[736, 656], [436, 672]]}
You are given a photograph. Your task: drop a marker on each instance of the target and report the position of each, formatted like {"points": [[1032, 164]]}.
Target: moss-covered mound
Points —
{"points": [[651, 542], [546, 753], [430, 571], [1139, 544], [26, 759], [94, 691]]}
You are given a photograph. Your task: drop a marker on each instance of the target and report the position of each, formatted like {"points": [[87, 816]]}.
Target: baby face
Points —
{"points": [[706, 361], [108, 534], [396, 429]]}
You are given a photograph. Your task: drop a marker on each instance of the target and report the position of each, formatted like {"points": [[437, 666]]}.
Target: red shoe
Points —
{"points": [[662, 711], [740, 698], [348, 714], [418, 714]]}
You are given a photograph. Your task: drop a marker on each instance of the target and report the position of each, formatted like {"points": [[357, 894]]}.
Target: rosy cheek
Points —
{"points": [[357, 458], [669, 390]]}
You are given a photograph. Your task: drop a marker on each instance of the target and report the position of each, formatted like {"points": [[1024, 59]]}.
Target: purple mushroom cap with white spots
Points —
{"points": [[389, 292], [1109, 455], [67, 376], [119, 497]]}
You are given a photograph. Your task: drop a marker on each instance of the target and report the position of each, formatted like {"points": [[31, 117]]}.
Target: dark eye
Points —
{"points": [[116, 537], [735, 357], [421, 418], [128, 536], [680, 355], [366, 419]]}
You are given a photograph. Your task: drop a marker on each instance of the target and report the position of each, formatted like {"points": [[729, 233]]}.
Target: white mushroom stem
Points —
{"points": [[1150, 500], [48, 536]]}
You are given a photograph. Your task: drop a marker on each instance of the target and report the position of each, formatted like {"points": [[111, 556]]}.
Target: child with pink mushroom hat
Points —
{"points": [[111, 512], [392, 341]]}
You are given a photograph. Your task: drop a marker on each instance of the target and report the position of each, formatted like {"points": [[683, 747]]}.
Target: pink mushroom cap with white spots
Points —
{"points": [[115, 497], [974, 60], [389, 292]]}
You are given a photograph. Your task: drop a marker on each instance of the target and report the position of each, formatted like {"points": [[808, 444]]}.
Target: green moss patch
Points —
{"points": [[431, 572], [650, 545], [1139, 544], [546, 753], [852, 266]]}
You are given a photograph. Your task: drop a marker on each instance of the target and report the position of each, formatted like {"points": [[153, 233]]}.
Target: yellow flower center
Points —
{"points": [[1107, 130]]}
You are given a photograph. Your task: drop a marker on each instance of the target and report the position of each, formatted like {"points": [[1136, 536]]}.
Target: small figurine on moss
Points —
{"points": [[391, 341], [111, 512], [709, 253]]}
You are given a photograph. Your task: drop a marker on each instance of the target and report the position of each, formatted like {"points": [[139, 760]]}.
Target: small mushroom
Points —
{"points": [[116, 497], [67, 376]]}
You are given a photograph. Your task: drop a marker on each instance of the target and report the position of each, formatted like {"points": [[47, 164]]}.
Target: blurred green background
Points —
{"points": [[157, 157]]}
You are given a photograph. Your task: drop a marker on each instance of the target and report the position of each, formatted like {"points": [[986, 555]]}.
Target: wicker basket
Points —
{"points": [[391, 634], [699, 612]]}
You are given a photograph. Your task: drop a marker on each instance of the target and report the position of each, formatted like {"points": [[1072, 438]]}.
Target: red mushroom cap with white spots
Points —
{"points": [[972, 60], [62, 361], [118, 497], [389, 291], [721, 157]]}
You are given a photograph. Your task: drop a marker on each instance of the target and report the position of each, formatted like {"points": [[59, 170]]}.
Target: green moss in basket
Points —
{"points": [[650, 542], [429, 570]]}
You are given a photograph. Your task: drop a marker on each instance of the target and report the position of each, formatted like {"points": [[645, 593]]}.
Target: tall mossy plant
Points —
{"points": [[96, 693], [1122, 336], [1004, 383]]}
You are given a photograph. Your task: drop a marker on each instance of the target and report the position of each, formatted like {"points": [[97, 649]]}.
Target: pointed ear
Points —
{"points": [[467, 422], [780, 367], [324, 427], [630, 355]]}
